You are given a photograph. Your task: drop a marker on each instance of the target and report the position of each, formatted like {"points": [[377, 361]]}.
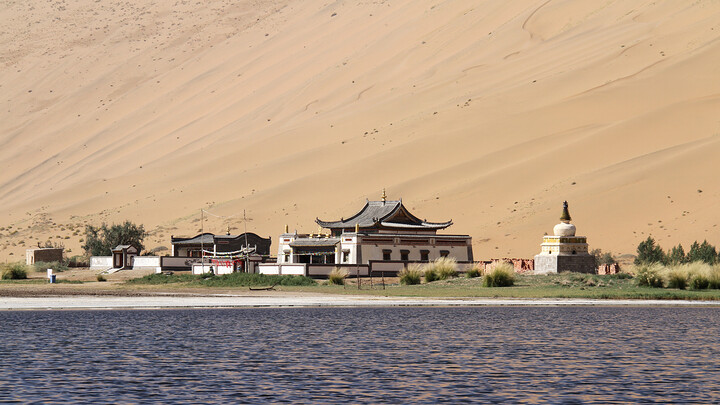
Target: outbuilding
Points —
{"points": [[123, 256]]}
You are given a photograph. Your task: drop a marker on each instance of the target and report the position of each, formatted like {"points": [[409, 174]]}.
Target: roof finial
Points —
{"points": [[287, 228], [566, 213], [228, 230], [384, 196], [357, 227]]}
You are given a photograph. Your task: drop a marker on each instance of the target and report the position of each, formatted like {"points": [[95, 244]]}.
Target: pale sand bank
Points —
{"points": [[238, 301]]}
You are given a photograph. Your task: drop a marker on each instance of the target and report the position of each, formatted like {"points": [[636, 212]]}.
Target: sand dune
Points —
{"points": [[490, 113]]}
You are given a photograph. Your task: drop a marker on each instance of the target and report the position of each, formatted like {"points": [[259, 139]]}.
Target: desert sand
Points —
{"points": [[489, 113]]}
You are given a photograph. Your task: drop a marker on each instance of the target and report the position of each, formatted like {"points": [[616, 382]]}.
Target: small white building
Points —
{"points": [[564, 251], [382, 231]]}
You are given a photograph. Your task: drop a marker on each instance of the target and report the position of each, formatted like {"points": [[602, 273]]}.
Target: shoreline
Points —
{"points": [[195, 301]]}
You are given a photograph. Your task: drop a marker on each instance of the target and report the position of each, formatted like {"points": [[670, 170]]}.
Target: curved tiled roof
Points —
{"points": [[376, 213]]}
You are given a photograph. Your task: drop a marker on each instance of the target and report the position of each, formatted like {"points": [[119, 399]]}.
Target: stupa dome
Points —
{"points": [[564, 229]]}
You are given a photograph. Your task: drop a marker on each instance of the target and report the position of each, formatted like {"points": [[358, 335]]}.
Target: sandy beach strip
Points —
{"points": [[299, 301]]}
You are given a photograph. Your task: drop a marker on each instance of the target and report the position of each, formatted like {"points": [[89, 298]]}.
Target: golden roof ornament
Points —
{"points": [[287, 228], [566, 213], [384, 196]]}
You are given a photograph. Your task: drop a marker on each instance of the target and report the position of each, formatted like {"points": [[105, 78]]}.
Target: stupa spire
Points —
{"points": [[566, 213]]}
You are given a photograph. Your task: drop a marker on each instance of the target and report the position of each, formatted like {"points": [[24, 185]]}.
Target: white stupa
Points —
{"points": [[563, 251]]}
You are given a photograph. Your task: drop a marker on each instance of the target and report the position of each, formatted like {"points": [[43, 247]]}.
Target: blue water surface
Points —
{"points": [[563, 355]]}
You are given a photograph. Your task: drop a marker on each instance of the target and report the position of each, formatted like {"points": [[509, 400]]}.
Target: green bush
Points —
{"points": [[473, 272], [14, 271], [162, 278], [502, 275], [714, 278], [410, 275], [430, 274], [677, 278], [699, 282], [226, 280], [56, 266], [101, 278], [250, 280], [444, 267], [337, 276], [649, 275], [78, 261]]}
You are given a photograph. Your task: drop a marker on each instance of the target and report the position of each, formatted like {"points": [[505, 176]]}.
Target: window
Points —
{"points": [[345, 256], [287, 257], [387, 254], [425, 255], [444, 253], [404, 255]]}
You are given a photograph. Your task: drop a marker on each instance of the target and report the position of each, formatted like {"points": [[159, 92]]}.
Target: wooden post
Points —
{"points": [[357, 274], [383, 279]]}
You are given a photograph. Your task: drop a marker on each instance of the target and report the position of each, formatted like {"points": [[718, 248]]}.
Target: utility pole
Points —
{"points": [[247, 248]]}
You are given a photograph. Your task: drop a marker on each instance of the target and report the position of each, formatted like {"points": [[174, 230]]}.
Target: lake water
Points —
{"points": [[369, 355]]}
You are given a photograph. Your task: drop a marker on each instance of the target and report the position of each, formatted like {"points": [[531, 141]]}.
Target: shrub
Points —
{"points": [[226, 280], [430, 274], [410, 275], [56, 266], [337, 276], [14, 271], [649, 275], [714, 277], [699, 282], [697, 273], [100, 277], [78, 261], [249, 279], [473, 272], [677, 278], [502, 275], [445, 267]]}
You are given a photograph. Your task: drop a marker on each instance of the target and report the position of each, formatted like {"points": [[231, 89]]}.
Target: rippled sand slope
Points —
{"points": [[490, 113]]}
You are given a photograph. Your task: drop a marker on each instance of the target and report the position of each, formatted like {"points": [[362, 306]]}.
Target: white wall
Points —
{"points": [[146, 262], [297, 269], [101, 262]]}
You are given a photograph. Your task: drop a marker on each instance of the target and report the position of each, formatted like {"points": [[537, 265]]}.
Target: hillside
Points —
{"points": [[489, 113]]}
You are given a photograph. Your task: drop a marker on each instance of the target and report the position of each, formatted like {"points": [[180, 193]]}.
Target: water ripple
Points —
{"points": [[362, 355]]}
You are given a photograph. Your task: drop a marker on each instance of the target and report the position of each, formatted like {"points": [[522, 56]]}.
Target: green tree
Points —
{"points": [[99, 241], [602, 257], [649, 252], [704, 252], [677, 255]]}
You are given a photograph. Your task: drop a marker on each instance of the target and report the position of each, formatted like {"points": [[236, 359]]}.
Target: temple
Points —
{"points": [[220, 254], [564, 251], [381, 231]]}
